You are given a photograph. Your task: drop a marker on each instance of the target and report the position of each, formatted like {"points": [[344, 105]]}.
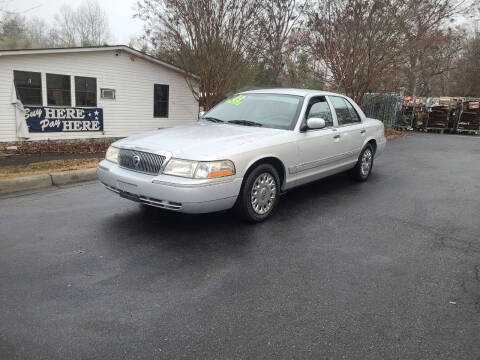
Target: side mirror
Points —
{"points": [[316, 123], [200, 114]]}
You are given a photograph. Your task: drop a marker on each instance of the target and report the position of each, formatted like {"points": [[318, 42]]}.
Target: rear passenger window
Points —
{"points": [[346, 113], [318, 108]]}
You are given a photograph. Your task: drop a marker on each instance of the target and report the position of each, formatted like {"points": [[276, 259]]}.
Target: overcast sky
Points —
{"points": [[119, 13]]}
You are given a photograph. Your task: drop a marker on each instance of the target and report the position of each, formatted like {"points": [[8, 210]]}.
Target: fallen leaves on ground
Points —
{"points": [[391, 134], [63, 147], [46, 167]]}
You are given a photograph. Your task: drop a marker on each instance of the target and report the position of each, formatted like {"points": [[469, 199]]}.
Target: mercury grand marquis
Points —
{"points": [[245, 152]]}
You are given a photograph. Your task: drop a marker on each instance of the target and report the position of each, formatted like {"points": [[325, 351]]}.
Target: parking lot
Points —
{"points": [[386, 269]]}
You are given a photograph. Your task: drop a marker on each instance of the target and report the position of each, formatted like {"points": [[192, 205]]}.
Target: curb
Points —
{"points": [[25, 183], [73, 176], [33, 182]]}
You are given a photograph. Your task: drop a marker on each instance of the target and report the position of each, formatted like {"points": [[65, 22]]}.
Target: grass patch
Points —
{"points": [[46, 167]]}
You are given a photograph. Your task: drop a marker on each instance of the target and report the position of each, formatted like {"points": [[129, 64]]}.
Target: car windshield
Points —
{"points": [[266, 110]]}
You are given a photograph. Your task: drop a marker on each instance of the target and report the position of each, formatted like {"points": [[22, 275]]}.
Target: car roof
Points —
{"points": [[296, 92]]}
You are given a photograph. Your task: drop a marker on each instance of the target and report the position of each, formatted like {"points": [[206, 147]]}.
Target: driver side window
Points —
{"points": [[318, 107]]}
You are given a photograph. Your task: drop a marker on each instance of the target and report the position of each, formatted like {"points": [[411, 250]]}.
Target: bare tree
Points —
{"points": [[13, 34], [92, 24], [85, 26], [466, 76], [139, 42], [279, 19], [424, 29], [360, 42], [66, 30], [40, 33], [211, 38], [436, 62], [353, 46]]}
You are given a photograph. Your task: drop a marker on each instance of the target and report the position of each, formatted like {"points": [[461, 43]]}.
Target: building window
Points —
{"points": [[160, 100], [28, 86], [58, 90], [107, 94], [85, 91]]}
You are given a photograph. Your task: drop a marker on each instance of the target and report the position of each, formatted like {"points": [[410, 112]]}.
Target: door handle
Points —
{"points": [[363, 131], [336, 136]]}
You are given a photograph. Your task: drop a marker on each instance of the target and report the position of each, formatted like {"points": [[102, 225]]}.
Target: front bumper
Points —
{"points": [[170, 192]]}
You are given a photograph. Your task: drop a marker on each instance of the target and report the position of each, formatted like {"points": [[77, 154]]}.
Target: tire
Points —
{"points": [[364, 166], [256, 206]]}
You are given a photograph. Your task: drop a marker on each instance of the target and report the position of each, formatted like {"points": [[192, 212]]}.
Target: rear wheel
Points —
{"points": [[363, 168], [260, 193]]}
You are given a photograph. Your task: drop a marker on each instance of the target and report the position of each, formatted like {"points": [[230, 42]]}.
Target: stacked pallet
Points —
{"points": [[442, 114], [448, 102], [438, 118], [414, 116], [406, 120], [469, 120], [419, 114], [421, 120]]}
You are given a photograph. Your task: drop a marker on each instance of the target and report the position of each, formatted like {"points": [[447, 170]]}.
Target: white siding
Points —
{"points": [[132, 78]]}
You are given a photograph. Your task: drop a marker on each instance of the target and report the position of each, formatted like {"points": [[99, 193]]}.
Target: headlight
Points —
{"points": [[183, 168], [214, 169], [199, 169], [112, 154]]}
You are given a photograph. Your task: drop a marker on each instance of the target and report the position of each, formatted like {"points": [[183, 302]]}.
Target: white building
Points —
{"points": [[91, 92]]}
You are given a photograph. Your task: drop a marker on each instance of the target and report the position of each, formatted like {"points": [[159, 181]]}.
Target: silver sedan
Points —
{"points": [[245, 152]]}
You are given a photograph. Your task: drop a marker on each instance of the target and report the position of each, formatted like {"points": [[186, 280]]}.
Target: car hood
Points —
{"points": [[202, 140]]}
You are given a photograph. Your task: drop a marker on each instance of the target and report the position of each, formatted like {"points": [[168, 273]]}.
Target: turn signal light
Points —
{"points": [[220, 173]]}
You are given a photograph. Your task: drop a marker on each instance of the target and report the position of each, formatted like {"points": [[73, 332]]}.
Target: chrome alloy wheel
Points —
{"points": [[366, 162], [264, 192]]}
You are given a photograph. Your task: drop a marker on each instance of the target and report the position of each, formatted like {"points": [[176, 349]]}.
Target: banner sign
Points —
{"points": [[53, 119]]}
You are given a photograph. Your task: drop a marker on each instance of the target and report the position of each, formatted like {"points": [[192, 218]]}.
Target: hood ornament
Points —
{"points": [[136, 160]]}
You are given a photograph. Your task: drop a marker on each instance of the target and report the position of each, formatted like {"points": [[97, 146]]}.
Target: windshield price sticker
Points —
{"points": [[237, 100]]}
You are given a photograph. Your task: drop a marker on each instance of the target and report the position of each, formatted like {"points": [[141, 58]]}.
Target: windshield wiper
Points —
{"points": [[245, 122], [212, 119]]}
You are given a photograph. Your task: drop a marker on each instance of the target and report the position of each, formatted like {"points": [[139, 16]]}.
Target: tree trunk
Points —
{"points": [[412, 76]]}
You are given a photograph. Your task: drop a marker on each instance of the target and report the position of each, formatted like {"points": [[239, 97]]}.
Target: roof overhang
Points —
{"points": [[124, 48]]}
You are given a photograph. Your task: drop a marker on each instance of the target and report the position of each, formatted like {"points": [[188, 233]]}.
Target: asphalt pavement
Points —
{"points": [[388, 269]]}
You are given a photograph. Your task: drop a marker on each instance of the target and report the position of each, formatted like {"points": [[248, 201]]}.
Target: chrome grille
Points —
{"points": [[140, 161]]}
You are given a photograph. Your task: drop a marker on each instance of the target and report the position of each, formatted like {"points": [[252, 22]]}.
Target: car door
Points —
{"points": [[350, 129], [317, 148]]}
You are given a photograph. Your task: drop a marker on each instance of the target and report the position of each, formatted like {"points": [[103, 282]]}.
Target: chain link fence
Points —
{"points": [[387, 108]]}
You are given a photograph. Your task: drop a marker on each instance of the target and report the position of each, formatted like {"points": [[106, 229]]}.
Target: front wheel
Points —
{"points": [[363, 168], [260, 193]]}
